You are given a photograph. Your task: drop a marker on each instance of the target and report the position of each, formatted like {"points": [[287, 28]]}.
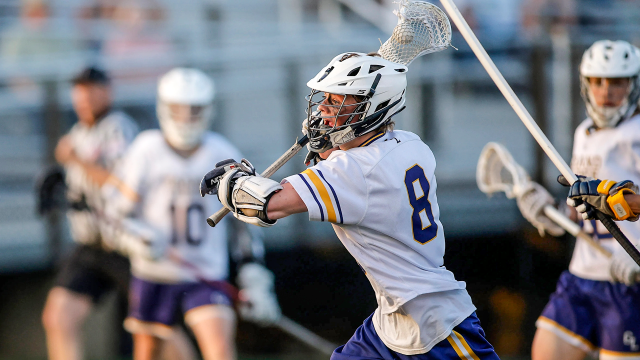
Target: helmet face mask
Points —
{"points": [[610, 60], [330, 120], [369, 91], [185, 107], [183, 125]]}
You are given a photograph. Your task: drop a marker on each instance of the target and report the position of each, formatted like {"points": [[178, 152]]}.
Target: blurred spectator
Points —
{"points": [[134, 33], [137, 37], [538, 16], [495, 20], [98, 18], [93, 19], [33, 38]]}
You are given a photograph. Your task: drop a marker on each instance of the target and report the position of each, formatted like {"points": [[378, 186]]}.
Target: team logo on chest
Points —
{"points": [[586, 165]]}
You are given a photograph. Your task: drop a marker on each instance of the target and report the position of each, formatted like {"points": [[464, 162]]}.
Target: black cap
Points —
{"points": [[91, 75]]}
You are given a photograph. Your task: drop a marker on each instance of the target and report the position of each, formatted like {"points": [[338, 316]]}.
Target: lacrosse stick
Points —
{"points": [[498, 172], [285, 324], [528, 121], [422, 29]]}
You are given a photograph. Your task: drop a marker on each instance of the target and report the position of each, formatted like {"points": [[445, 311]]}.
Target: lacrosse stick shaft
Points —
{"points": [[573, 229], [214, 219], [506, 90], [528, 121], [305, 336]]}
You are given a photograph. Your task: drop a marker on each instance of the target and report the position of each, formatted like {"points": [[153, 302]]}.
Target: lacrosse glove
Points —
{"points": [[137, 239], [241, 191], [211, 180], [258, 302], [607, 196], [531, 202], [623, 269], [51, 190], [311, 155]]}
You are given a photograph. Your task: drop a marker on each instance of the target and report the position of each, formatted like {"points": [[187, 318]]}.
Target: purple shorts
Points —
{"points": [[163, 303], [595, 315], [467, 341]]}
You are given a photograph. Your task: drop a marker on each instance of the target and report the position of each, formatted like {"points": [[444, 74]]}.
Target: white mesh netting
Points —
{"points": [[498, 171], [422, 29]]}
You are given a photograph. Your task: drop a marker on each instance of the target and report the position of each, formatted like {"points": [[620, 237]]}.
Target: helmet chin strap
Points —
{"points": [[342, 137]]}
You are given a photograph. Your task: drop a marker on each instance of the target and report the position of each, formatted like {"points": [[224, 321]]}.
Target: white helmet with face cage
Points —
{"points": [[184, 106], [610, 59], [379, 86]]}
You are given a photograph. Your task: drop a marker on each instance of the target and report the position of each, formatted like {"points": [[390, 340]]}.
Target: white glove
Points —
{"points": [[247, 196], [623, 269], [531, 203], [135, 238], [258, 300]]}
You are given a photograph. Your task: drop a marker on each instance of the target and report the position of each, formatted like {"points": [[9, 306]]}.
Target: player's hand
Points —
{"points": [[588, 195], [258, 299], [311, 155], [532, 202], [136, 238], [211, 181], [623, 269], [64, 150]]}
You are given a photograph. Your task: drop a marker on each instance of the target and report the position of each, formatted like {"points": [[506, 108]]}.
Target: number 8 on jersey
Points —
{"points": [[424, 227]]}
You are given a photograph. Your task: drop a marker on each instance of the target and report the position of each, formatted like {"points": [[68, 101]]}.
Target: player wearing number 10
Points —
{"points": [[160, 175], [377, 188]]}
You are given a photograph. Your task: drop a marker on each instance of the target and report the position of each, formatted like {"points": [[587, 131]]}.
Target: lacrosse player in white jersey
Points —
{"points": [[595, 306], [88, 153], [378, 189], [179, 265]]}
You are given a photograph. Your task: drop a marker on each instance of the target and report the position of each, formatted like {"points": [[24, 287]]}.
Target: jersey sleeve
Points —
{"points": [[334, 190]]}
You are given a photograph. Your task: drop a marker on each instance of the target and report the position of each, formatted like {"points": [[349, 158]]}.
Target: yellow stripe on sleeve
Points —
{"points": [[455, 347], [324, 194], [466, 346]]}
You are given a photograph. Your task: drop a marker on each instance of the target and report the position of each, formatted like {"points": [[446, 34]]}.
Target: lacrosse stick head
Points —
{"points": [[422, 29], [498, 171]]}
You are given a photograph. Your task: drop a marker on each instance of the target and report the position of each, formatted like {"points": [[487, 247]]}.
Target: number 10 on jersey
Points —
{"points": [[425, 228]]}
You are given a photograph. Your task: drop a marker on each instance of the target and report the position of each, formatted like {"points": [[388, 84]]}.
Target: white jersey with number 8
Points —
{"points": [[381, 200], [164, 193]]}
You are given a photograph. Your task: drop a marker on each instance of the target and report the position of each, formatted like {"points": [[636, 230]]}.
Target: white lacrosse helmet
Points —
{"points": [[184, 106], [379, 86], [610, 59]]}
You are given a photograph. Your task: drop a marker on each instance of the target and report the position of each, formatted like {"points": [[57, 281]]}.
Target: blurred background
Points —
{"points": [[261, 53]]}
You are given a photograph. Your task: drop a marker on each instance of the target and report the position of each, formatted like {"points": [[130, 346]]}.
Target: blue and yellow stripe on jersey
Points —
{"points": [[324, 194], [372, 139]]}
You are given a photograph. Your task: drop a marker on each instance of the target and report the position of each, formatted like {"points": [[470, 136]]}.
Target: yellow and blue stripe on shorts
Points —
{"points": [[466, 342]]}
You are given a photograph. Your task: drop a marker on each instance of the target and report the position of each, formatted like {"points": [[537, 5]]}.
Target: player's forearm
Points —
{"points": [[284, 203], [634, 202]]}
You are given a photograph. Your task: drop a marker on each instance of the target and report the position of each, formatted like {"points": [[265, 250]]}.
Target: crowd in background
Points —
{"points": [[126, 28], [126, 31]]}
